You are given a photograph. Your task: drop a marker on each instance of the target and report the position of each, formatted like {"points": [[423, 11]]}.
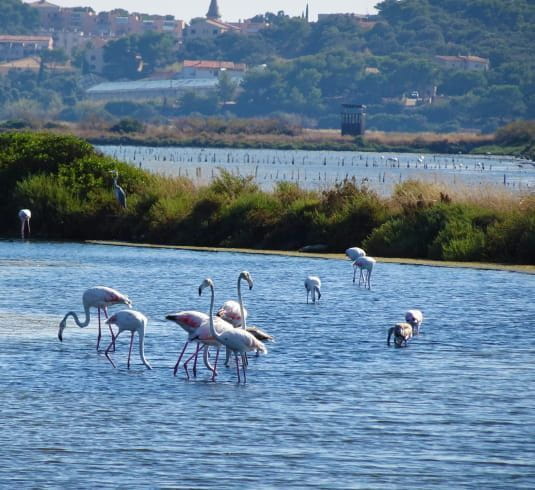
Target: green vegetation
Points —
{"points": [[305, 70], [68, 187]]}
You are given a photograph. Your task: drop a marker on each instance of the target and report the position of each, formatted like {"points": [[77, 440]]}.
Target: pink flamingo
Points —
{"points": [[402, 333], [313, 285], [133, 321], [189, 320], [366, 264], [24, 216], [237, 340], [354, 253], [99, 297], [415, 318]]}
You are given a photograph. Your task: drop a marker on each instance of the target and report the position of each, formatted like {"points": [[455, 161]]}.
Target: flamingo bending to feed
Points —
{"points": [[133, 321], [99, 297], [313, 285], [24, 216], [402, 333], [237, 340], [191, 322], [354, 253], [365, 265], [415, 318]]}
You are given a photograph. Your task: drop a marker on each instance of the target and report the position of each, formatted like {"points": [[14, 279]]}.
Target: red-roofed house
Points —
{"points": [[16, 47], [211, 69]]}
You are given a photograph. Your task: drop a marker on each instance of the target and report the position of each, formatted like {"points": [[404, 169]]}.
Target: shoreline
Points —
{"points": [[522, 269]]}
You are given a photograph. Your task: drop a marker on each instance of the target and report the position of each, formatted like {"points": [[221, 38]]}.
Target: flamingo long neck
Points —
{"points": [[213, 331], [141, 334], [242, 310], [83, 324]]}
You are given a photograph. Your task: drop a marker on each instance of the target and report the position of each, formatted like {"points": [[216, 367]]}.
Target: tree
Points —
{"points": [[226, 87], [18, 18]]}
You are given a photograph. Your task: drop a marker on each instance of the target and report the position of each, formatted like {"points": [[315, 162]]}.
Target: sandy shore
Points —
{"points": [[526, 269]]}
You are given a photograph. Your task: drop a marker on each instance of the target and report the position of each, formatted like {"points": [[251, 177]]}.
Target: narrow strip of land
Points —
{"points": [[525, 269]]}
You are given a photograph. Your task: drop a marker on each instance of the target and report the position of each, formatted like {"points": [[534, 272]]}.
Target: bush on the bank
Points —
{"points": [[68, 187]]}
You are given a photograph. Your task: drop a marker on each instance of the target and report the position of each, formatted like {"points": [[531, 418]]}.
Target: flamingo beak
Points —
{"points": [[60, 332]]}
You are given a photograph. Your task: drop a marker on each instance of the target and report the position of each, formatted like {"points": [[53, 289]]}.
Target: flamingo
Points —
{"points": [[313, 284], [99, 297], [415, 318], [402, 333], [366, 264], [24, 216], [134, 321], [237, 340], [354, 253], [189, 321]]}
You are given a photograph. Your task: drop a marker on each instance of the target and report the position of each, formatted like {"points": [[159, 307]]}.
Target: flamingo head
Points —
{"points": [[62, 326], [247, 276], [205, 284]]}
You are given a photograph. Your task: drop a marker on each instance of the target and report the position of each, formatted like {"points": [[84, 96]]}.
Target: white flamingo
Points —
{"points": [[402, 333], [24, 216], [365, 265], [99, 297], [133, 321], [415, 318], [354, 253], [237, 340], [313, 285]]}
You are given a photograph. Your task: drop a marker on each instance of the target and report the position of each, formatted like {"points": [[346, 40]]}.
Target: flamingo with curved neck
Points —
{"points": [[237, 340], [99, 297]]}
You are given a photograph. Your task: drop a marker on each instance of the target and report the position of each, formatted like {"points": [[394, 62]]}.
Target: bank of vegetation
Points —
{"points": [[68, 187], [516, 138]]}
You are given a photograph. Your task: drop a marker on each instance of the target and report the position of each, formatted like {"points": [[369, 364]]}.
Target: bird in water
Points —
{"points": [[313, 285], [118, 191], [354, 253], [415, 318], [24, 216], [236, 339], [402, 333], [99, 297], [133, 321], [365, 265]]}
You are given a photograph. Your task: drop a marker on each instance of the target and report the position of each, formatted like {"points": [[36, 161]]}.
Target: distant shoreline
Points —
{"points": [[523, 269]]}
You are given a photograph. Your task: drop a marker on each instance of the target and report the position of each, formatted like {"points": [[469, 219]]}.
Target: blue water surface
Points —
{"points": [[330, 406]]}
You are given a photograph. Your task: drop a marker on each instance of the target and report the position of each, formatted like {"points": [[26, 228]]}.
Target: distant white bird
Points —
{"points": [[120, 194], [99, 297], [354, 253], [313, 285], [237, 340], [24, 216], [402, 333], [133, 321], [365, 265], [415, 318]]}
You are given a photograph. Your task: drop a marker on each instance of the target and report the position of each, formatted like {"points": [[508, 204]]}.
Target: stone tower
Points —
{"points": [[213, 11]]}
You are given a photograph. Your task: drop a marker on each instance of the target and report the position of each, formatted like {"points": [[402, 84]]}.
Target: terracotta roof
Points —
{"points": [[30, 63], [214, 65]]}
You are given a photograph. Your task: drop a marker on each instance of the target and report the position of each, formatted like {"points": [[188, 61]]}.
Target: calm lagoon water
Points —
{"points": [[330, 406], [323, 169]]}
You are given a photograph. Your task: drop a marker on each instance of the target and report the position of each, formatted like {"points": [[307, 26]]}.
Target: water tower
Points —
{"points": [[353, 119]]}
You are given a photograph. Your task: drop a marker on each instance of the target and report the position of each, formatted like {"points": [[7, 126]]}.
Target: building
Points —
{"points": [[464, 63], [151, 89], [365, 21], [212, 69], [17, 47]]}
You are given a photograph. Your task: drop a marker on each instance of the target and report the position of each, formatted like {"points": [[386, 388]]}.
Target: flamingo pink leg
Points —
{"points": [[191, 357], [130, 351], [99, 332], [237, 366], [105, 310], [107, 351], [180, 358], [244, 358], [214, 372], [195, 360]]}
